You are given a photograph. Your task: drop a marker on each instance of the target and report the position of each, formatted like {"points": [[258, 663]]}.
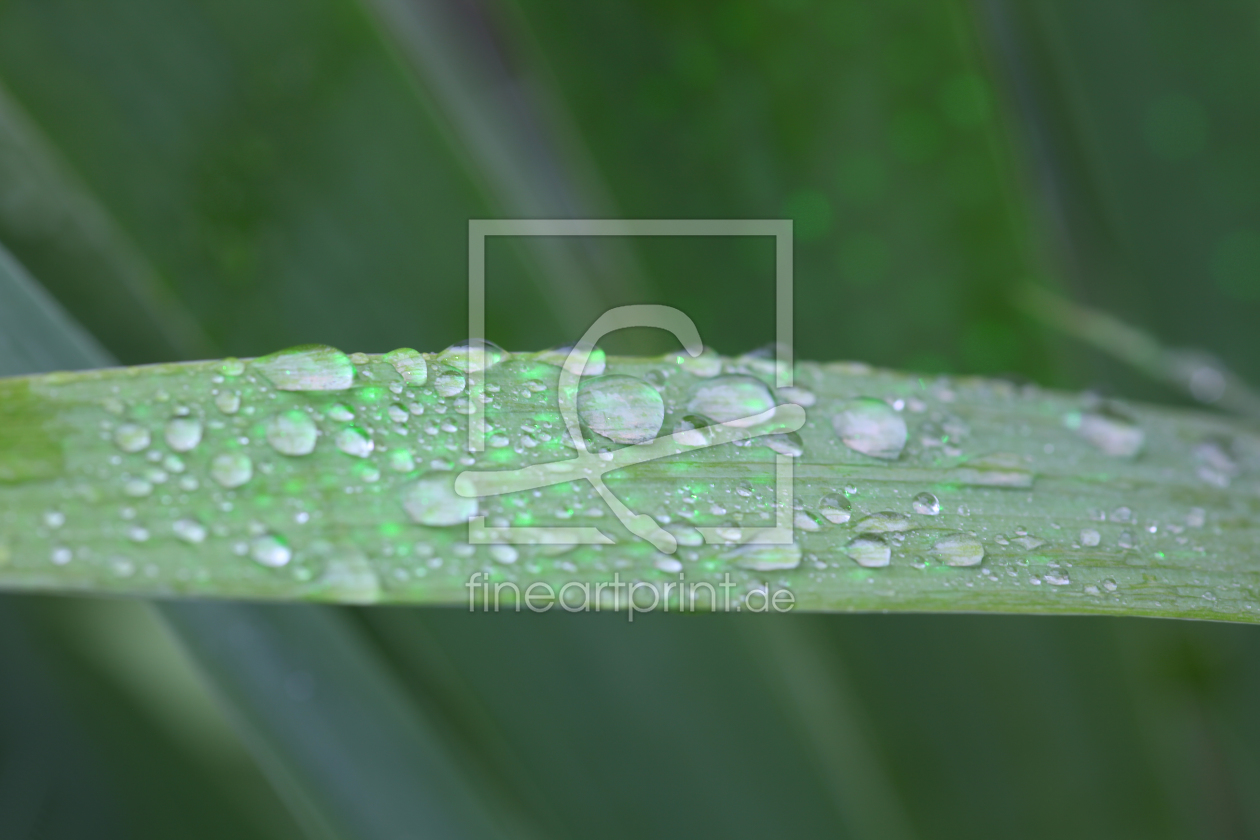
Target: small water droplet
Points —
{"points": [[744, 488], [231, 367], [806, 521], [229, 402], [670, 565], [340, 413], [231, 469], [505, 554], [800, 396], [450, 383], [1057, 577], [869, 552], [398, 414], [621, 408], [958, 550], [54, 518], [692, 430], [472, 355], [596, 361], [313, 367], [789, 444], [292, 432], [432, 500], [926, 504], [131, 438], [1090, 537], [1110, 430], [731, 399], [884, 522], [190, 531], [1109, 585], [400, 460], [835, 508], [271, 551], [62, 555], [410, 365], [871, 427], [765, 558], [705, 366], [137, 488], [183, 433], [353, 440]]}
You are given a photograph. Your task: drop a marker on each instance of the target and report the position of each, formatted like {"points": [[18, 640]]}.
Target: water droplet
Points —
{"points": [[621, 408], [450, 383], [231, 367], [229, 402], [231, 469], [1214, 462], [1110, 430], [596, 361], [926, 504], [835, 508], [353, 440], [705, 366], [313, 367], [800, 396], [806, 521], [270, 550], [884, 522], [1196, 518], [61, 555], [685, 535], [472, 355], [410, 365], [789, 444], [670, 565], [137, 488], [505, 554], [54, 518], [131, 438], [138, 533], [1090, 537], [340, 413], [398, 414], [958, 550], [433, 501], [1110, 585], [870, 552], [1057, 577], [692, 430], [400, 460], [292, 433], [872, 427], [731, 399], [183, 433], [765, 558], [190, 531]]}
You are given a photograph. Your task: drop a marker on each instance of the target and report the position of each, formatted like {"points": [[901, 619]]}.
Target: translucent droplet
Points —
{"points": [[596, 361], [54, 518], [231, 469], [1058, 577], [229, 402], [835, 508], [292, 432], [884, 522], [872, 427], [504, 554], [1090, 537], [400, 460], [958, 550], [670, 565], [231, 367], [137, 488], [450, 383], [765, 558], [61, 555], [805, 521], [789, 444], [705, 366], [353, 440], [398, 414], [469, 356], [1110, 430], [926, 504], [800, 396], [731, 399], [190, 531], [270, 550], [685, 535], [183, 433], [871, 552], [433, 501], [410, 365], [313, 367], [1028, 542], [131, 438], [340, 413], [692, 430], [621, 408]]}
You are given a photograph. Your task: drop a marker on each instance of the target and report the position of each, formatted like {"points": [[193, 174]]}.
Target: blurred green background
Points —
{"points": [[196, 178]]}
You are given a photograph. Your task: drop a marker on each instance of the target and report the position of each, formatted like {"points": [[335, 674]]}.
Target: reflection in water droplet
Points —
{"points": [[450, 383], [292, 433], [410, 365], [926, 504], [871, 552], [131, 438], [355, 441], [472, 355], [836, 508], [621, 408], [958, 550], [433, 501], [231, 469], [1090, 537], [884, 522], [872, 427], [271, 551], [765, 558], [731, 399], [313, 367], [789, 444], [806, 521], [183, 433], [229, 402], [1110, 430]]}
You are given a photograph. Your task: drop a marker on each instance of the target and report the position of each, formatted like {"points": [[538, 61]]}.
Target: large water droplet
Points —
{"points": [[835, 508], [131, 438], [469, 356], [1090, 537], [433, 501], [872, 427], [884, 522], [731, 399], [410, 365], [926, 504], [313, 367], [958, 550], [765, 558], [871, 552], [229, 402], [621, 408], [231, 469], [450, 383], [789, 444], [355, 441], [1110, 430], [806, 521], [692, 430], [292, 433], [183, 433], [270, 550]]}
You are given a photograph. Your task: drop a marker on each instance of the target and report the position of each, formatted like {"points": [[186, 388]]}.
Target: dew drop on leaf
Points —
{"points": [[131, 438], [835, 508], [355, 441], [926, 504], [870, 552], [231, 469], [621, 408], [292, 433], [270, 550], [432, 500], [183, 433], [958, 550], [312, 367], [871, 427], [410, 365], [731, 399]]}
